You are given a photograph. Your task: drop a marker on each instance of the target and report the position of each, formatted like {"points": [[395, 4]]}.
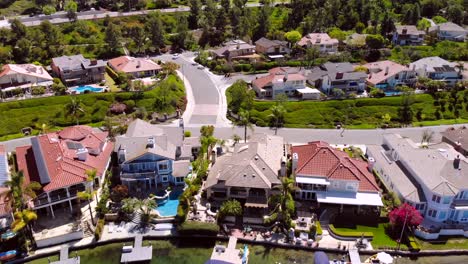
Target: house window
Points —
{"points": [[442, 215], [432, 213], [164, 178], [447, 199], [163, 165], [179, 179], [436, 198]]}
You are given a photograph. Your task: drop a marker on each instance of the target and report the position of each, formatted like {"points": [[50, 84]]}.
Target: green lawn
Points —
{"points": [[50, 110], [111, 83], [381, 239], [17, 8], [444, 243]]}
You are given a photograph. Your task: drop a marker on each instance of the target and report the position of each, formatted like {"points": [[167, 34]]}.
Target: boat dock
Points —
{"points": [[354, 256], [64, 259], [137, 253], [229, 254]]}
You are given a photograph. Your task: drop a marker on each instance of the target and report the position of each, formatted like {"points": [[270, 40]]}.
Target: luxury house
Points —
{"points": [[437, 69], [341, 76], [458, 138], [137, 67], [272, 48], [23, 76], [388, 75], [449, 31], [59, 161], [248, 174], [408, 35], [235, 49], [322, 41], [74, 70], [432, 179], [280, 80], [329, 176], [149, 155]]}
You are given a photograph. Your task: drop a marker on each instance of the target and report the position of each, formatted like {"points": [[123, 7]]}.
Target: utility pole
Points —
{"points": [[402, 230]]}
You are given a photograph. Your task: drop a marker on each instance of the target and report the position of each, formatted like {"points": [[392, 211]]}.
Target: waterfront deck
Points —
{"points": [[138, 253], [64, 259], [354, 256], [227, 254]]}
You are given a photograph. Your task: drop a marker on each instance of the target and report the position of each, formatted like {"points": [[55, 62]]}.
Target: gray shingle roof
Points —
{"points": [[137, 146], [267, 43], [255, 164], [181, 168], [433, 64], [76, 62], [331, 69]]}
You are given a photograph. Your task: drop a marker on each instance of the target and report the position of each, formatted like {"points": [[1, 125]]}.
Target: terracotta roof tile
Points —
{"points": [[320, 159]]}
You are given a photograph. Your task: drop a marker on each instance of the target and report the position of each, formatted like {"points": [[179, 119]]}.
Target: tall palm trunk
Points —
{"points": [[91, 211], [245, 133]]}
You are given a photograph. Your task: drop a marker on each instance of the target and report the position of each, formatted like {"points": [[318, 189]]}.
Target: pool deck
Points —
{"points": [[133, 230]]}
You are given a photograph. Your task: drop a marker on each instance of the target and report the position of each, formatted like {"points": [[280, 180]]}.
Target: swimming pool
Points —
{"points": [[392, 93], [84, 88], [168, 206]]}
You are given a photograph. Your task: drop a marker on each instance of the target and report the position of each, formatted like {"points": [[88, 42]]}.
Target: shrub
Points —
{"points": [[318, 228], [112, 74], [198, 228], [350, 234], [99, 229], [413, 244], [38, 90], [187, 133]]}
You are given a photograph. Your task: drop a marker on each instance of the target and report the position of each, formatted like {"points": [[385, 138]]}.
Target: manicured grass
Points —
{"points": [[111, 83], [363, 113], [17, 8], [444, 243], [380, 238], [50, 110]]}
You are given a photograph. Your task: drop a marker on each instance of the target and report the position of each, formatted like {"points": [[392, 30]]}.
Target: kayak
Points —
{"points": [[8, 235], [7, 255]]}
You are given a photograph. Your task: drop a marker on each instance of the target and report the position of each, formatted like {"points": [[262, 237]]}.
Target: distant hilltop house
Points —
{"points": [[432, 179], [236, 50], [280, 80], [449, 31], [149, 156], [458, 138], [75, 70], [23, 76], [388, 74], [137, 67], [408, 35], [340, 75], [272, 48], [329, 176], [322, 41], [437, 69]]}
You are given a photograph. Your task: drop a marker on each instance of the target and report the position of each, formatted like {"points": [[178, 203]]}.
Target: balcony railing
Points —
{"points": [[138, 175], [238, 193]]}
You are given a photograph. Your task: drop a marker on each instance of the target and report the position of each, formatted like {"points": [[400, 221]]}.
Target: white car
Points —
{"points": [[175, 56]]}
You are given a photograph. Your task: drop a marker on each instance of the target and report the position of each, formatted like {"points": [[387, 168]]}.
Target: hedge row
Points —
{"points": [[356, 234], [112, 74], [198, 228], [414, 245]]}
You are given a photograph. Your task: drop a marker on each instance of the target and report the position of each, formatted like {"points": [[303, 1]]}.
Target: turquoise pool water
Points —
{"points": [[168, 206], [84, 88], [392, 93]]}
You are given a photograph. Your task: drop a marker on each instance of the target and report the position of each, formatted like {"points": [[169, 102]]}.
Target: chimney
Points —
{"points": [[150, 142], [213, 157], [456, 163], [404, 31], [138, 64], [178, 152], [414, 67], [82, 154], [283, 166], [339, 75], [93, 62], [386, 70], [318, 40], [121, 155], [295, 158], [238, 46], [370, 163], [285, 77]]}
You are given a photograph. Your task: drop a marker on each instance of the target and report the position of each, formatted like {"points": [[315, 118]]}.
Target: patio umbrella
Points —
{"points": [[321, 258], [384, 258]]}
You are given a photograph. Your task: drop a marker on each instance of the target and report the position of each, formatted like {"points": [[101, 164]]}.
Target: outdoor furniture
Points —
{"points": [[304, 236]]}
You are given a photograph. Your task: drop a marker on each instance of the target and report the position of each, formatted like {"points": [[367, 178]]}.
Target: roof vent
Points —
{"points": [[456, 162], [253, 175], [82, 154], [245, 175], [256, 157], [150, 142]]}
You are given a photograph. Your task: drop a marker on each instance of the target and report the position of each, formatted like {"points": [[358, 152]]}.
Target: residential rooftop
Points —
{"points": [[381, 70], [317, 39], [433, 64], [409, 30], [130, 64]]}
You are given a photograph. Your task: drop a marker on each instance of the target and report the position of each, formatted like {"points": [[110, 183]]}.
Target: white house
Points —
{"points": [[438, 69], [24, 75], [281, 80], [432, 179], [449, 31], [337, 75]]}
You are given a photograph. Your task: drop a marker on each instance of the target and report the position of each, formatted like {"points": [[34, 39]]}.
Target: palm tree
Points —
{"points": [[74, 109], [244, 121], [88, 196], [108, 125], [236, 138], [18, 192], [22, 223], [91, 177], [427, 136], [43, 128], [284, 203], [277, 116]]}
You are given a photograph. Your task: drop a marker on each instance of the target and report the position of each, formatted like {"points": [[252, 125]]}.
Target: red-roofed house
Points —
{"points": [[330, 176], [281, 80], [388, 74], [137, 67], [59, 161]]}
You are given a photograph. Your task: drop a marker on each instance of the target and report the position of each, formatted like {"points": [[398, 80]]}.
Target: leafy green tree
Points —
{"points": [[22, 50], [113, 37], [48, 10], [71, 7], [293, 36], [423, 24], [22, 219], [195, 13], [455, 12], [439, 19], [230, 207], [240, 96], [244, 121], [74, 109], [155, 30], [359, 27], [180, 39], [311, 55], [18, 30], [263, 21], [375, 41], [405, 112], [18, 193], [283, 203], [337, 34], [58, 87], [87, 196], [138, 36], [387, 25]]}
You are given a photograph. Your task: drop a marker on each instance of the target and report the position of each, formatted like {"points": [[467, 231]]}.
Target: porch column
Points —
{"points": [[359, 209], [228, 192], [69, 201], [341, 208], [48, 197], [52, 211]]}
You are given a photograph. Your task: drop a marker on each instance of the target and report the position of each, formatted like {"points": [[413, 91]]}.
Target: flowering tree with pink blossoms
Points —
{"points": [[405, 213]]}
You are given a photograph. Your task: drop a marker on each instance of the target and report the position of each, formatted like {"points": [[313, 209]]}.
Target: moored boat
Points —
{"points": [[7, 255]]}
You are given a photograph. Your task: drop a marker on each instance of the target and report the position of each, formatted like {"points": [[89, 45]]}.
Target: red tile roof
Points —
{"points": [[320, 159], [129, 64], [61, 160]]}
